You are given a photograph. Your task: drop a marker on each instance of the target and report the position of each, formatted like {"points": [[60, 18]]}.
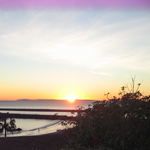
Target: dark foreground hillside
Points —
{"points": [[53, 141]]}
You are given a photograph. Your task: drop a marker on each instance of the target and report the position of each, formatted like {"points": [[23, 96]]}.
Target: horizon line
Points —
{"points": [[48, 100]]}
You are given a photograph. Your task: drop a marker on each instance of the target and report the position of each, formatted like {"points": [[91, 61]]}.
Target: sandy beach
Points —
{"points": [[53, 141]]}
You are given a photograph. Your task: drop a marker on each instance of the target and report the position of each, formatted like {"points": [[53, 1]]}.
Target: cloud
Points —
{"points": [[101, 73], [93, 39]]}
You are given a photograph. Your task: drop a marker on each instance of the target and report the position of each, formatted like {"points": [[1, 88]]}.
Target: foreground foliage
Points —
{"points": [[119, 123], [7, 126]]}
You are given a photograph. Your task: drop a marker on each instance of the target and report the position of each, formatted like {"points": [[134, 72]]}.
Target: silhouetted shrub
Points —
{"points": [[119, 123]]}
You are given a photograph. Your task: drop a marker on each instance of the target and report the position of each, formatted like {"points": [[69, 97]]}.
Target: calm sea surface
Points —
{"points": [[37, 127]]}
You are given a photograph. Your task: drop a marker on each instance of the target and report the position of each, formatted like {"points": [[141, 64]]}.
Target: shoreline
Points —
{"points": [[50, 141], [42, 129]]}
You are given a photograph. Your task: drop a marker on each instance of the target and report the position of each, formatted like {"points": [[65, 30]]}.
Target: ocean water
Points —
{"points": [[37, 126]]}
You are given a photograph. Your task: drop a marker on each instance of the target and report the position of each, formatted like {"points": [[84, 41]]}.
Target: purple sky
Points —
{"points": [[75, 3]]}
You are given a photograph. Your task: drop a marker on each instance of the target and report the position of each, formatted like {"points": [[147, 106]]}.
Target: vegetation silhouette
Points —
{"points": [[121, 123], [7, 126]]}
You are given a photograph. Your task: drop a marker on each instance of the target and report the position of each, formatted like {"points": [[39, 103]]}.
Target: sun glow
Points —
{"points": [[71, 98]]}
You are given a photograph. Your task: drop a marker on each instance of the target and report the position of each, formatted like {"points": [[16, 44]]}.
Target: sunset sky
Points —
{"points": [[52, 50]]}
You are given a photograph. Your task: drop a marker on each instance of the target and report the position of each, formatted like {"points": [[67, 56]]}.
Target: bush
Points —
{"points": [[119, 123]]}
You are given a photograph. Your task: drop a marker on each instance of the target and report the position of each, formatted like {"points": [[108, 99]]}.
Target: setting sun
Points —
{"points": [[71, 98]]}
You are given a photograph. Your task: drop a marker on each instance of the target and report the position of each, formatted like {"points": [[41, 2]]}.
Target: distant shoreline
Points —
{"points": [[21, 100]]}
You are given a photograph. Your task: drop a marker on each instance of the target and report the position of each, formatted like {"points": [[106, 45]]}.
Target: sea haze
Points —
{"points": [[44, 104]]}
